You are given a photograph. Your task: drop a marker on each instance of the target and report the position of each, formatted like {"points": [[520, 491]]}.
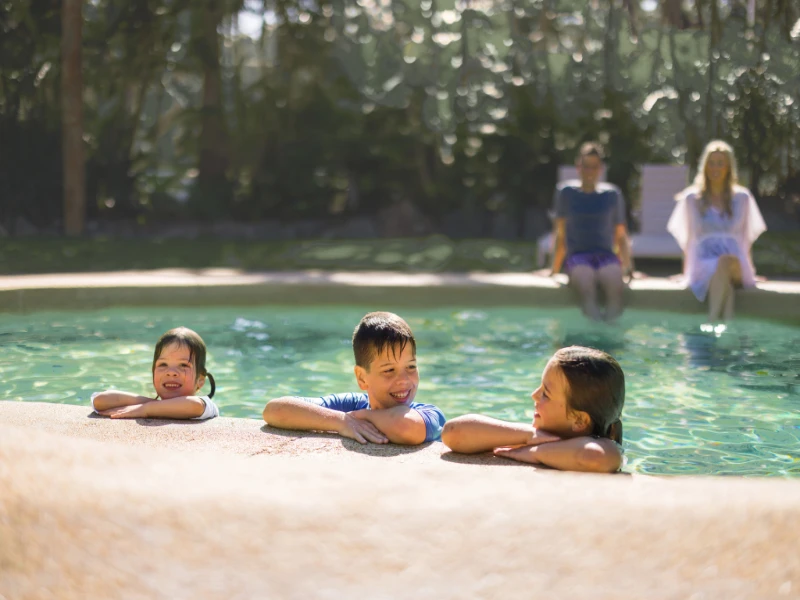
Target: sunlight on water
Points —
{"points": [[698, 401]]}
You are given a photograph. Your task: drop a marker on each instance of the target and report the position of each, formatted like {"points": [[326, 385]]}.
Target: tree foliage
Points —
{"points": [[350, 106]]}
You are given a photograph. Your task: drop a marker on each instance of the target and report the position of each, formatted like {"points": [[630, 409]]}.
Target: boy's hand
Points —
{"points": [[133, 411], [357, 427]]}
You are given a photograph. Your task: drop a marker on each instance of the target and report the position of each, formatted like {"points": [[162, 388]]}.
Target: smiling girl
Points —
{"points": [[576, 421], [179, 371]]}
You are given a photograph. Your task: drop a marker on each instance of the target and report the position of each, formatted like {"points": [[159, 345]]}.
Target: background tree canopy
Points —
{"points": [[347, 107]]}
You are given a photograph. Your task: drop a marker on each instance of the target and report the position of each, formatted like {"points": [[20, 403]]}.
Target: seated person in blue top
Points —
{"points": [[589, 225], [576, 418], [386, 370], [179, 371]]}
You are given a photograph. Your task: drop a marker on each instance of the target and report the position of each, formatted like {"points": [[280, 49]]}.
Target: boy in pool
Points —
{"points": [[576, 420], [386, 370], [179, 371]]}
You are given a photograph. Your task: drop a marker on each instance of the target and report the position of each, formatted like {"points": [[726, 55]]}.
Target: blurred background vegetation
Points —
{"points": [[425, 116]]}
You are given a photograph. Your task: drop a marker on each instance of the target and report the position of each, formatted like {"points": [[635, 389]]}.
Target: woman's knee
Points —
{"points": [[730, 266]]}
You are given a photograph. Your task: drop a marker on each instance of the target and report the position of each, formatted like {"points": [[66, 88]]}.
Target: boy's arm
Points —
{"points": [[401, 424], [593, 455], [103, 401], [295, 413], [475, 433], [185, 407], [560, 245], [623, 244]]}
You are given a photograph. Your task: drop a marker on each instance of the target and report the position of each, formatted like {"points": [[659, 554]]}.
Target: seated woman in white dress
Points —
{"points": [[715, 223]]}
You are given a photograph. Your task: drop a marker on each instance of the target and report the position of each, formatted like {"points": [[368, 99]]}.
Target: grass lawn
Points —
{"points": [[775, 255]]}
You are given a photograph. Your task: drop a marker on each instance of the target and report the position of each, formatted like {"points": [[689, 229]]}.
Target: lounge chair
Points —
{"points": [[660, 183]]}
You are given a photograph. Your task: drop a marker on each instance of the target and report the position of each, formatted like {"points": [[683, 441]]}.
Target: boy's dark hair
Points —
{"points": [[596, 386], [183, 336], [591, 149], [377, 331]]}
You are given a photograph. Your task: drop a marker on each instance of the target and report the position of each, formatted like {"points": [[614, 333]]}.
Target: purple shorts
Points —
{"points": [[596, 260]]}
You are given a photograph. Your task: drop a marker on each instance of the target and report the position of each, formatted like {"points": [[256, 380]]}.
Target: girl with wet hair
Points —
{"points": [[179, 372], [576, 421]]}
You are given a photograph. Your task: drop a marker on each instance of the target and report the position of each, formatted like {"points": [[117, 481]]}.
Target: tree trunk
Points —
{"points": [[672, 13], [74, 176], [212, 187]]}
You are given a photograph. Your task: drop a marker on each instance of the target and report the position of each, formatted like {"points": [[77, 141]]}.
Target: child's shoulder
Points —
{"points": [[346, 401]]}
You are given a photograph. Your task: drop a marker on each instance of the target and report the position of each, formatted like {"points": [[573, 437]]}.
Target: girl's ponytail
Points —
{"points": [[214, 385], [615, 431]]}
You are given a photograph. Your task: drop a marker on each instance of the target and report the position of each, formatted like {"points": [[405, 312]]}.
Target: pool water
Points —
{"points": [[697, 401]]}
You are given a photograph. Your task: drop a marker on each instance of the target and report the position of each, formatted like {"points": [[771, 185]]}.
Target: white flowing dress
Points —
{"points": [[704, 238]]}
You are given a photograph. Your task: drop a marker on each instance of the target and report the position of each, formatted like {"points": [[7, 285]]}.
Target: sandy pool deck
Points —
{"points": [[230, 508]]}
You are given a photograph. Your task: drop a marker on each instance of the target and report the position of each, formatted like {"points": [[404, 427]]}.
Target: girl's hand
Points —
{"points": [[526, 454], [133, 411], [540, 436]]}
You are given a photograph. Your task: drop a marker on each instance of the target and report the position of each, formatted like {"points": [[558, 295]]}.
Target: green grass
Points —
{"points": [[775, 255]]}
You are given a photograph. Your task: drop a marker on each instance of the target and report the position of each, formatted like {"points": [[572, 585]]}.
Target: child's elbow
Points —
{"points": [[453, 434], [196, 409], [102, 401], [597, 459], [410, 433], [275, 410]]}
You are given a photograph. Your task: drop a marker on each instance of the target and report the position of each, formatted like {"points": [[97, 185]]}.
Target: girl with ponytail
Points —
{"points": [[179, 371], [576, 424]]}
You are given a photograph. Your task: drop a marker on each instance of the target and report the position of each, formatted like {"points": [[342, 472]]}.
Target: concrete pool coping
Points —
{"points": [[776, 300], [91, 507]]}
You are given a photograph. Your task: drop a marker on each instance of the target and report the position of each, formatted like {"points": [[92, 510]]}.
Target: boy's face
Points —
{"points": [[589, 169], [175, 375], [391, 378]]}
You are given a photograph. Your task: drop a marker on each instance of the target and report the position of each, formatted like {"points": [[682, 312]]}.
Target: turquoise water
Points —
{"points": [[697, 402]]}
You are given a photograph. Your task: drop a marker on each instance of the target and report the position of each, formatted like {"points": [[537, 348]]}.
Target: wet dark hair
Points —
{"points": [[377, 331], [596, 386], [591, 149], [185, 337]]}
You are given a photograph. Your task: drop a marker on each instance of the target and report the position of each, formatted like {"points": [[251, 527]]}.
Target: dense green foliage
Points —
{"points": [[347, 106]]}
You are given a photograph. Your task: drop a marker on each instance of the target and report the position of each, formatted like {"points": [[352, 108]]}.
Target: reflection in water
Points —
{"points": [[714, 351], [583, 332]]}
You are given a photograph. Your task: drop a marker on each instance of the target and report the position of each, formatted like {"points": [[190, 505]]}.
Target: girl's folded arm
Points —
{"points": [[184, 407], [114, 399], [588, 454], [476, 433]]}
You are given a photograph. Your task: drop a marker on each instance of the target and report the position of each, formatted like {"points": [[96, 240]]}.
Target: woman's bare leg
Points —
{"points": [[720, 290]]}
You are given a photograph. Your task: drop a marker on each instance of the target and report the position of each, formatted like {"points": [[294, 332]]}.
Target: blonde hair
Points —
{"points": [[731, 178]]}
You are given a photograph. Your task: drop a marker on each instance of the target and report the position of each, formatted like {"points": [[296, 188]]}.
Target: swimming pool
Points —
{"points": [[697, 402]]}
